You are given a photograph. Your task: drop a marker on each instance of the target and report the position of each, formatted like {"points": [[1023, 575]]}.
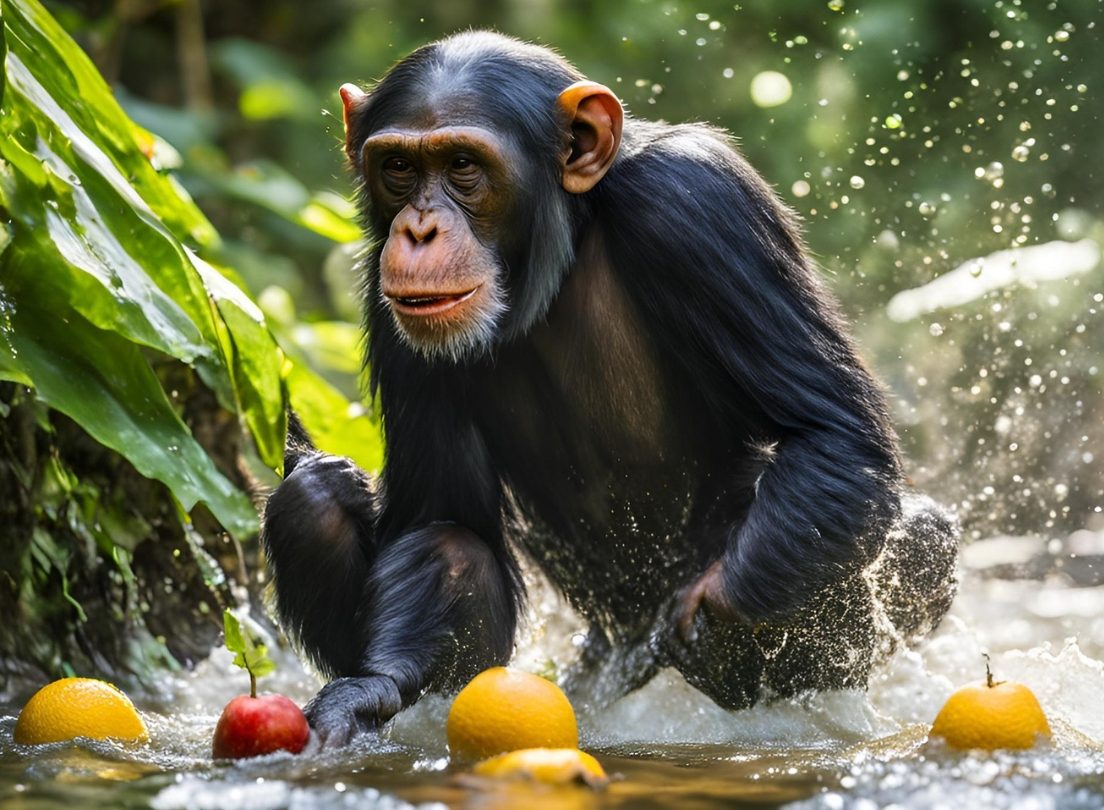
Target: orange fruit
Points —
{"points": [[553, 766], [990, 715], [78, 707], [504, 710]]}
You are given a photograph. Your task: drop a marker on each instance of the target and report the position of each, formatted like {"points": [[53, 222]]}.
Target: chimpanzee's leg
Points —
{"points": [[318, 538], [440, 609]]}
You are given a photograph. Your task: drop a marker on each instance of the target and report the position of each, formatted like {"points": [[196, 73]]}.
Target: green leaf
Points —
{"points": [[255, 364], [335, 424], [235, 642], [106, 385], [267, 185], [249, 654], [85, 111]]}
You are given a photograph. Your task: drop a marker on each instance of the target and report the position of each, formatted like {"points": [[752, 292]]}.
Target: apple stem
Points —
{"points": [[988, 672], [253, 683]]}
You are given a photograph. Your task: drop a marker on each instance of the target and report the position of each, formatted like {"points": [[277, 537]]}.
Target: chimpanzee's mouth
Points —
{"points": [[424, 304]]}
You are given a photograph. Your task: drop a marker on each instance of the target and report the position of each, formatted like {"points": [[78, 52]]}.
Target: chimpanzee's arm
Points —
{"points": [[716, 266]]}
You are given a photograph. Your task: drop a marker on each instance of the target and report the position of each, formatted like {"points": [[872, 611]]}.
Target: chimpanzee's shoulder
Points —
{"points": [[658, 160]]}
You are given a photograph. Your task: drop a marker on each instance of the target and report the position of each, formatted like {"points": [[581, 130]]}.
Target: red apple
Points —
{"points": [[252, 726]]}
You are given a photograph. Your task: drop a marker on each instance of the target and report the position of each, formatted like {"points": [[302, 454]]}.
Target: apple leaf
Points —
{"points": [[249, 653]]}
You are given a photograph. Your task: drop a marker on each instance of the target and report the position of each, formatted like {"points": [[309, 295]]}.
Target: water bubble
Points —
{"points": [[835, 5], [728, 73], [800, 188], [857, 182], [893, 121], [927, 209], [935, 330], [770, 89], [1021, 153], [1061, 36], [993, 173], [887, 239]]}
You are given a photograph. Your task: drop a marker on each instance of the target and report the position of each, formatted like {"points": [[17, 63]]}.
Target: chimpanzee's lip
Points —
{"points": [[423, 304]]}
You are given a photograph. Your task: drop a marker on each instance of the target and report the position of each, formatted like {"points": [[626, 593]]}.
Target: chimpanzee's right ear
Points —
{"points": [[352, 101]]}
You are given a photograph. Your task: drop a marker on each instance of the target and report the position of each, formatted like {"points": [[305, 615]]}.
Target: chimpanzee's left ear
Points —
{"points": [[352, 100], [595, 116]]}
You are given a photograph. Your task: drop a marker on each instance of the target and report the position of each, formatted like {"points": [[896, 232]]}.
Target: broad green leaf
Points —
{"points": [[106, 385], [335, 424], [89, 115], [267, 185], [333, 345], [255, 364]]}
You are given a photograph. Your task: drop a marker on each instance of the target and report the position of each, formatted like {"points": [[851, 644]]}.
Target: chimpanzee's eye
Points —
{"points": [[397, 165], [464, 173], [398, 174]]}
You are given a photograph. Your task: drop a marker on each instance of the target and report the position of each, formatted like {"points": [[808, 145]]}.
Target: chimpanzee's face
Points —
{"points": [[446, 192]]}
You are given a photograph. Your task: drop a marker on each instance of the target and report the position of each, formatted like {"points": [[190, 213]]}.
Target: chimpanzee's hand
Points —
{"points": [[707, 590], [347, 707]]}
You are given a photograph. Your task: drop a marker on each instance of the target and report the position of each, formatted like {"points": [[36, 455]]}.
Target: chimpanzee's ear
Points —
{"points": [[352, 100], [595, 117]]}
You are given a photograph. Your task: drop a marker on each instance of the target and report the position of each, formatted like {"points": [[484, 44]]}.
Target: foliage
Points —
{"points": [[123, 331]]}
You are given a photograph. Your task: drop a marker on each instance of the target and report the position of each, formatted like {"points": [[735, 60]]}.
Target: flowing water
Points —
{"points": [[665, 745]]}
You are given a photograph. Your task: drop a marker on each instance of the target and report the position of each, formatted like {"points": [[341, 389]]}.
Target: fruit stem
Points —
{"points": [[253, 683], [988, 672]]}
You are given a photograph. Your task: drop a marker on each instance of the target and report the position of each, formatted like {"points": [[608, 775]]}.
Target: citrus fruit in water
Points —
{"points": [[78, 707], [990, 715], [552, 766], [505, 710]]}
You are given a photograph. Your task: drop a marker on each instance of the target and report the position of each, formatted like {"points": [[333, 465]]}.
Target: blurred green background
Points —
{"points": [[911, 136]]}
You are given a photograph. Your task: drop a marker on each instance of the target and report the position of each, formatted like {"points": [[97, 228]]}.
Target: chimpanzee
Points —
{"points": [[596, 342]]}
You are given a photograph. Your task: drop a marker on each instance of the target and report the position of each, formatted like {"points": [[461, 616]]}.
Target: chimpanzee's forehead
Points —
{"points": [[475, 79]]}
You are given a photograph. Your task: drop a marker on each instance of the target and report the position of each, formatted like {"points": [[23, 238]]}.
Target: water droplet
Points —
{"points": [[935, 330], [927, 209], [893, 121], [770, 89], [857, 182], [887, 239], [800, 188], [835, 5], [1021, 153], [1061, 36]]}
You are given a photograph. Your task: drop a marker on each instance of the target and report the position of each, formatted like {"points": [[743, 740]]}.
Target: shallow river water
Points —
{"points": [[665, 745]]}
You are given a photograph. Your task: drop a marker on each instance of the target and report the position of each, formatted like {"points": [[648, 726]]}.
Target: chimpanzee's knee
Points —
{"points": [[317, 537], [441, 600]]}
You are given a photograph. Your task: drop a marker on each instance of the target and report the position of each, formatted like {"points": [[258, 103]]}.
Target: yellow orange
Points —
{"points": [[991, 715], [78, 707], [553, 766], [504, 710]]}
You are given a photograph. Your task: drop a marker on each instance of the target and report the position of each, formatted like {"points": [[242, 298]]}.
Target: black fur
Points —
{"points": [[671, 386]]}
